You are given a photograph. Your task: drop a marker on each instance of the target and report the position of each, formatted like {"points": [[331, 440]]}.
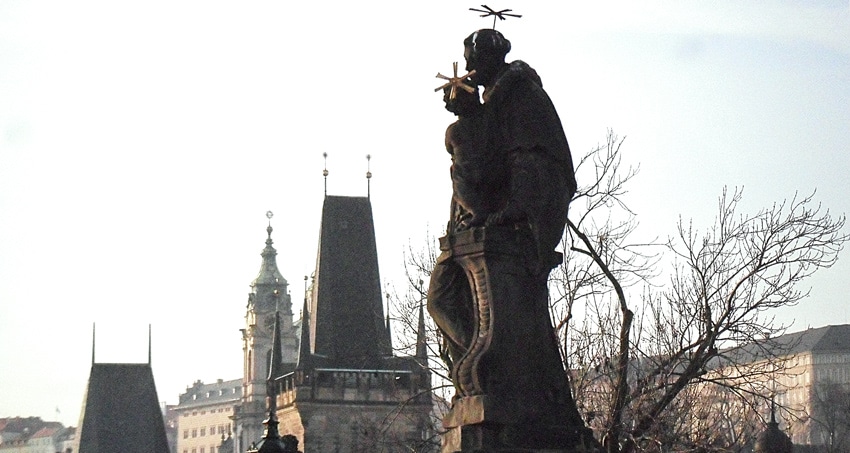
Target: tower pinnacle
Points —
{"points": [[269, 273]]}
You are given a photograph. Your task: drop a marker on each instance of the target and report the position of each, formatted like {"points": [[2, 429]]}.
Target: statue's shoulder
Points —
{"points": [[517, 79]]}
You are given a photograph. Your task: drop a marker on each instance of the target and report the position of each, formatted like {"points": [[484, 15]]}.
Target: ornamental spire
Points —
{"points": [[304, 355], [421, 337], [269, 273], [272, 442]]}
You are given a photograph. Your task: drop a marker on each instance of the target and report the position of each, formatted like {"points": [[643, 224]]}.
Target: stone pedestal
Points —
{"points": [[512, 394], [481, 424]]}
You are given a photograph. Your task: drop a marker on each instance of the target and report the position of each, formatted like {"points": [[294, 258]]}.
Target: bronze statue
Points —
{"points": [[513, 179]]}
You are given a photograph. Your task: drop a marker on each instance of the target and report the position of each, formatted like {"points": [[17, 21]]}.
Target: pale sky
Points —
{"points": [[141, 144]]}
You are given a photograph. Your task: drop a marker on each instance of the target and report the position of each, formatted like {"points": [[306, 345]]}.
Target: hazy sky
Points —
{"points": [[141, 144]]}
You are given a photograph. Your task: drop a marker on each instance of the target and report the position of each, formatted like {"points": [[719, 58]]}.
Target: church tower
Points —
{"points": [[269, 293]]}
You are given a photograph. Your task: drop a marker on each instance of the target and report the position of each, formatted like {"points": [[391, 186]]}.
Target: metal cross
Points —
{"points": [[455, 82]]}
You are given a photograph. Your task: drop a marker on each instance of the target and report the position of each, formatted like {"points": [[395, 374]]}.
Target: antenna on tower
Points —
{"points": [[368, 176], [325, 173]]}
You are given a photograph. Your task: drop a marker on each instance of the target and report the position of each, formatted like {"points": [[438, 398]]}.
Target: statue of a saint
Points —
{"points": [[513, 179]]}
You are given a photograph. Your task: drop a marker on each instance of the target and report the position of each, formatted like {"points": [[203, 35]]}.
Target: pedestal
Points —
{"points": [[512, 394], [483, 424]]}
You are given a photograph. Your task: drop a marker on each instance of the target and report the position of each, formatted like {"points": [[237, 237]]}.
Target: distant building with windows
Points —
{"points": [[33, 435], [806, 373], [816, 384], [204, 415]]}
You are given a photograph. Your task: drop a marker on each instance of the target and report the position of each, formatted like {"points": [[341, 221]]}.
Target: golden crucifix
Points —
{"points": [[455, 82]]}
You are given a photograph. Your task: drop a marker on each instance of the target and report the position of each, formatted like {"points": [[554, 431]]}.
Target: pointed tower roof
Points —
{"points": [[121, 411], [271, 442], [269, 273], [772, 439], [305, 357], [421, 338], [276, 364], [346, 316]]}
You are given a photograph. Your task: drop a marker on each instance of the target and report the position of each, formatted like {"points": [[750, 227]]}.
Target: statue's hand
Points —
{"points": [[464, 103], [508, 215], [474, 221]]}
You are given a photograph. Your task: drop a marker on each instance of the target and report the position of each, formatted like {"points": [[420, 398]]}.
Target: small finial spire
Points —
{"points": [[325, 173], [368, 176], [92, 343], [269, 229], [421, 336], [773, 411], [149, 345]]}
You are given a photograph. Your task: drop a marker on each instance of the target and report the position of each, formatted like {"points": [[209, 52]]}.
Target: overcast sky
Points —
{"points": [[141, 144]]}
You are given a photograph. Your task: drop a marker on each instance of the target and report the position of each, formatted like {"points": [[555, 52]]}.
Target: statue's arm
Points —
{"points": [[527, 189]]}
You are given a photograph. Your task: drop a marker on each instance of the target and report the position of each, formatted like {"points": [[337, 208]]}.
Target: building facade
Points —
{"points": [[204, 415], [814, 388], [806, 374]]}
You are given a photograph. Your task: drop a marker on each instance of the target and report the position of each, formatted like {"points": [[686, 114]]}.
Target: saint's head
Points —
{"points": [[485, 52]]}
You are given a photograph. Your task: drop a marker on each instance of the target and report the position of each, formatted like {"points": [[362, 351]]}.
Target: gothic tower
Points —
{"points": [[269, 293], [349, 393]]}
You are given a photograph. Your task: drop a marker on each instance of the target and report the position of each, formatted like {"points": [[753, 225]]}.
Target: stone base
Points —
{"points": [[479, 424]]}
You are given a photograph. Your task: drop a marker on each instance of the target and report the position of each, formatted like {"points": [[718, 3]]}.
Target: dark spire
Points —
{"points": [[305, 361], [271, 442], [275, 365], [772, 439], [389, 329], [92, 343], [149, 344], [421, 338], [421, 357]]}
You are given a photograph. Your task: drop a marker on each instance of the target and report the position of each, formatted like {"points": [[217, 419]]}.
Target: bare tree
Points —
{"points": [[719, 295], [635, 368], [831, 415]]}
